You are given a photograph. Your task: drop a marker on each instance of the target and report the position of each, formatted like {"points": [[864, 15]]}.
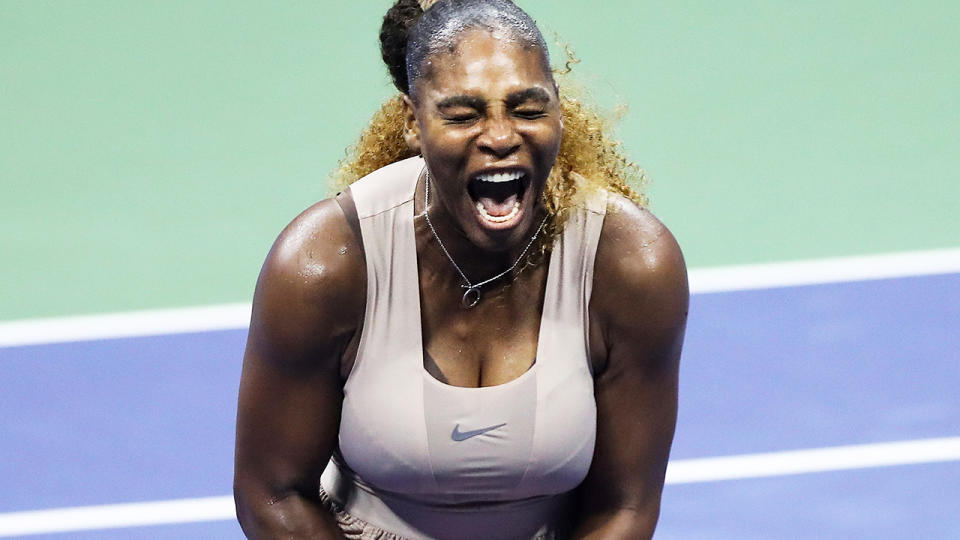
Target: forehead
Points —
{"points": [[486, 62]]}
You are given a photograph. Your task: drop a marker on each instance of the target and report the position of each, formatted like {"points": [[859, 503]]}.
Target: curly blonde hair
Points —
{"points": [[589, 158]]}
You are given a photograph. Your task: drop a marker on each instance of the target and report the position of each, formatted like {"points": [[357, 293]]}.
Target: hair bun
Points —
{"points": [[393, 39]]}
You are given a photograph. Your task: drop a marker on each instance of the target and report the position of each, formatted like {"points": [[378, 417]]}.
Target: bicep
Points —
{"points": [[636, 415], [620, 498], [643, 300], [287, 423], [287, 420], [291, 387]]}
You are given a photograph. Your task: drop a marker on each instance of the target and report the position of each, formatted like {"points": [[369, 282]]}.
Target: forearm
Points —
{"points": [[619, 524], [293, 516]]}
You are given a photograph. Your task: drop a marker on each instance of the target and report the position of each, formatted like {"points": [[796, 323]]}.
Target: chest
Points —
{"points": [[492, 343], [516, 418]]}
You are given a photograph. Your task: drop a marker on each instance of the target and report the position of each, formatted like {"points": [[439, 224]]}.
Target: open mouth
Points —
{"points": [[498, 197]]}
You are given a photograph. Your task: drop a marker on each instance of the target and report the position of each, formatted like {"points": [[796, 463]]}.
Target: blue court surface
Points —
{"points": [[853, 365]]}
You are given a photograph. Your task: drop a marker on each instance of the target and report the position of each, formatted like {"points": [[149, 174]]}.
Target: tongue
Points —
{"points": [[498, 207]]}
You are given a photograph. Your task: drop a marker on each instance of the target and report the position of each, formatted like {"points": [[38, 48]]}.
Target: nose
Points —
{"points": [[499, 137]]}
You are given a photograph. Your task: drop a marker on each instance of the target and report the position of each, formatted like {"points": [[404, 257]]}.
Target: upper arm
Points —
{"points": [[639, 306], [308, 300]]}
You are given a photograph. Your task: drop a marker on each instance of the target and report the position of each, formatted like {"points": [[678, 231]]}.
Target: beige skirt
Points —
{"points": [[357, 529], [354, 528]]}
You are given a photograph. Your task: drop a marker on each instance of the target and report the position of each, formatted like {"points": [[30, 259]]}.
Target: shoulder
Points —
{"points": [[318, 247], [640, 289], [635, 248], [310, 293]]}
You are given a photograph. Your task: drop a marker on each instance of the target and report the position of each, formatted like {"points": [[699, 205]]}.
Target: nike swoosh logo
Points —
{"points": [[458, 435]]}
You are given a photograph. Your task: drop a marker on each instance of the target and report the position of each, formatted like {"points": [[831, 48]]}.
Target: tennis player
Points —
{"points": [[480, 337]]}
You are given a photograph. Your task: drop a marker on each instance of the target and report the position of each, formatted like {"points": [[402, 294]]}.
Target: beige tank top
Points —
{"points": [[424, 459]]}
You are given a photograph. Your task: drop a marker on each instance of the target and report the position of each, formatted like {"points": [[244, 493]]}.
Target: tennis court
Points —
{"points": [[805, 156], [832, 409]]}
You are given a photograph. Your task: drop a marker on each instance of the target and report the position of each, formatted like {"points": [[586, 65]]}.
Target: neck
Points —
{"points": [[477, 264]]}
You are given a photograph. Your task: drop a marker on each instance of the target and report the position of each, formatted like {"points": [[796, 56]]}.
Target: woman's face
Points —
{"points": [[487, 120]]}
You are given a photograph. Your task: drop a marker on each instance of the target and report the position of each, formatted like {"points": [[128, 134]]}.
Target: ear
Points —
{"points": [[556, 92], [411, 131], [563, 127]]}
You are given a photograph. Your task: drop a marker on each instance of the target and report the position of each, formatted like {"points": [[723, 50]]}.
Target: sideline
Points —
{"points": [[702, 280], [685, 471]]}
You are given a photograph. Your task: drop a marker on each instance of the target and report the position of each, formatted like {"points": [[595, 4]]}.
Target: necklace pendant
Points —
{"points": [[470, 298]]}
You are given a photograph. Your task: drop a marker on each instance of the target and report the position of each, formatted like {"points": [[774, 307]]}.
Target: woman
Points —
{"points": [[478, 341]]}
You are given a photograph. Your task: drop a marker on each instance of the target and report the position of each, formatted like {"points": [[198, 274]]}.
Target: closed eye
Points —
{"points": [[530, 114], [460, 118]]}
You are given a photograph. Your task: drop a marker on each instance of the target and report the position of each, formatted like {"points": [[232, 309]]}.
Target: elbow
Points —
{"points": [[645, 522], [246, 510], [290, 513], [620, 523], [256, 509]]}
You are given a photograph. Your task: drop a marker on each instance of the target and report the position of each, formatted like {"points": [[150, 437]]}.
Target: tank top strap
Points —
{"points": [[386, 188], [384, 201], [565, 322]]}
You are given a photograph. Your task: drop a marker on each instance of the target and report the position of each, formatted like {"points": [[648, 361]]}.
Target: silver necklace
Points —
{"points": [[471, 295]]}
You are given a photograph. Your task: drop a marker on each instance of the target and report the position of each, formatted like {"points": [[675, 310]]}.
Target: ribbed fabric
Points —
{"points": [[400, 467]]}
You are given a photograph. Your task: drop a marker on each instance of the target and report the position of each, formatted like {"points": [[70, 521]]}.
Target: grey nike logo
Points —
{"points": [[458, 435]]}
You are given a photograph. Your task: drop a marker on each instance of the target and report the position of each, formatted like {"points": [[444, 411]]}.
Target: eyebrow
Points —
{"points": [[513, 99], [535, 93], [473, 102]]}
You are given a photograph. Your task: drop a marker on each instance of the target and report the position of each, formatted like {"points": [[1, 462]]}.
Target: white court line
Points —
{"points": [[114, 516], [702, 280], [819, 271], [124, 324], [836, 458], [684, 471]]}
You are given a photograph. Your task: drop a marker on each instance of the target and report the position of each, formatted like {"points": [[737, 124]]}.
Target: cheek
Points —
{"points": [[547, 140], [447, 145]]}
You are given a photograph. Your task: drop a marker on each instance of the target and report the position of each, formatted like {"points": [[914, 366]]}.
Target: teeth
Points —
{"points": [[499, 219], [500, 177]]}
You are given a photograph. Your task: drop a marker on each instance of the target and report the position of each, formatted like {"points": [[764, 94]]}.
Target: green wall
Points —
{"points": [[150, 151]]}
